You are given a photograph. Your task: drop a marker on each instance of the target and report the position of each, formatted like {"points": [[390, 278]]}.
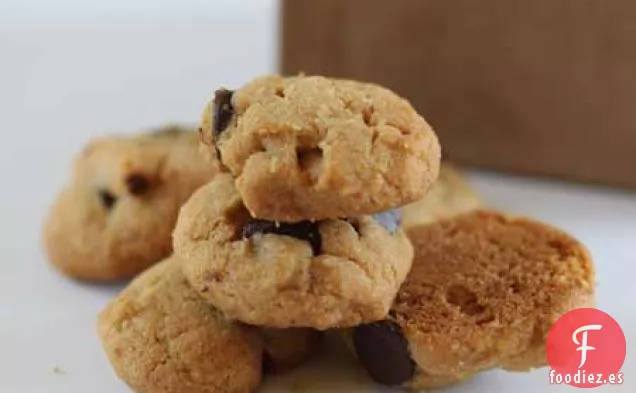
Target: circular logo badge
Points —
{"points": [[586, 348]]}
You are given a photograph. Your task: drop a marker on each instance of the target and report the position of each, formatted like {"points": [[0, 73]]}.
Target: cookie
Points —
{"points": [[450, 195], [115, 216], [320, 274], [483, 293], [313, 148], [161, 337]]}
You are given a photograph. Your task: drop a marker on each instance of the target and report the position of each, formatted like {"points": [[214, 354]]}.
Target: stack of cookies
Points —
{"points": [[300, 232], [304, 228]]}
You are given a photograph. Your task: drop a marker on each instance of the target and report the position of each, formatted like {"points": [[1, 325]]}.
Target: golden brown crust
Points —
{"points": [[277, 280], [161, 337], [310, 147], [449, 196], [86, 240], [483, 293]]}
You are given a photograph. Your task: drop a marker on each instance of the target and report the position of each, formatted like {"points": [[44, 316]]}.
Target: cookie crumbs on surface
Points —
{"points": [[59, 370]]}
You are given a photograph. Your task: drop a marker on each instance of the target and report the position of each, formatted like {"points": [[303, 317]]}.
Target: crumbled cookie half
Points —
{"points": [[483, 293]]}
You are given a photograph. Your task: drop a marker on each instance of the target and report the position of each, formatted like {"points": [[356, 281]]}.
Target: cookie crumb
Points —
{"points": [[59, 370]]}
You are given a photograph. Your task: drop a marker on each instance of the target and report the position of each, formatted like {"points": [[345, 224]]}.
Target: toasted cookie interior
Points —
{"points": [[483, 292]]}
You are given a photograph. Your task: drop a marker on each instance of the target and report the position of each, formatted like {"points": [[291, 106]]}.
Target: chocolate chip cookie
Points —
{"points": [[115, 216], [313, 148], [161, 337], [450, 195], [483, 293], [320, 274]]}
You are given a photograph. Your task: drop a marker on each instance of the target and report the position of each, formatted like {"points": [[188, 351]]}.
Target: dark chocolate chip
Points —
{"points": [[303, 230], [107, 198], [137, 184], [222, 111], [383, 352], [390, 220]]}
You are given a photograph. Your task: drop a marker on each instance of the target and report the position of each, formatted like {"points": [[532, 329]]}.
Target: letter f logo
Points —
{"points": [[583, 344]]}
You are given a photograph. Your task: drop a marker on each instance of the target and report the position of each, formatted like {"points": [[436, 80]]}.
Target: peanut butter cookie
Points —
{"points": [[115, 216], [314, 148], [320, 274]]}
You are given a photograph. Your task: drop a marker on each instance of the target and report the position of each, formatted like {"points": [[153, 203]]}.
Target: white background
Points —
{"points": [[71, 70]]}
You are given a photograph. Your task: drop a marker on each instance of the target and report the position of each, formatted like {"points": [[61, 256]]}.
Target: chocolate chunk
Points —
{"points": [[107, 198], [222, 111], [383, 352], [137, 184], [390, 220], [303, 230]]}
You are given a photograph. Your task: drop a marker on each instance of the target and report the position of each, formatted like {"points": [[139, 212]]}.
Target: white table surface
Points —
{"points": [[71, 70]]}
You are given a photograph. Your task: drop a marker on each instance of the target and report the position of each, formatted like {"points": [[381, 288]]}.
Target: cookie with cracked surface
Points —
{"points": [[449, 196], [313, 148], [161, 337], [322, 274], [483, 293], [115, 216]]}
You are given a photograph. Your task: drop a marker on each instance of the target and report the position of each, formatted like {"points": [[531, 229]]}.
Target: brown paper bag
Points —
{"points": [[538, 86]]}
